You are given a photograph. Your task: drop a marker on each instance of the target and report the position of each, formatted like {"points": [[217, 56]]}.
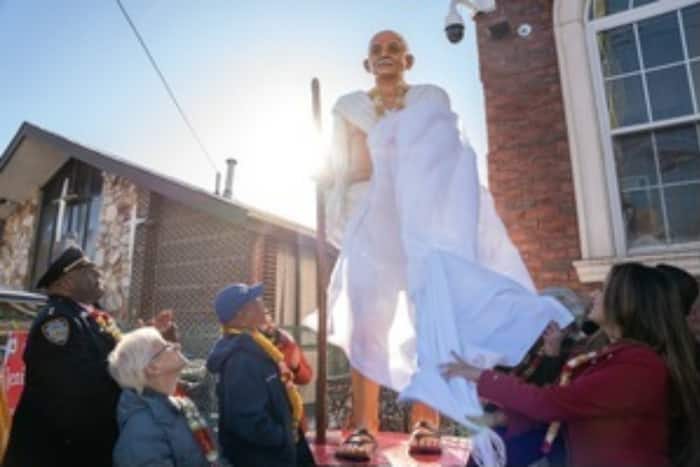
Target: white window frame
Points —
{"points": [[601, 226]]}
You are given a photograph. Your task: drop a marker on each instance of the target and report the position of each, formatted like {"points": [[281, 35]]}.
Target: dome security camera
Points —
{"points": [[454, 23], [454, 26]]}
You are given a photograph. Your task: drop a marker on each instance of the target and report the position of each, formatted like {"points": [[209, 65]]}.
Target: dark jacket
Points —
{"points": [[615, 409], [154, 433], [255, 418], [67, 413]]}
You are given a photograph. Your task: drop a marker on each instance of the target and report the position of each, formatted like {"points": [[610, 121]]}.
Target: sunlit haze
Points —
{"points": [[240, 69]]}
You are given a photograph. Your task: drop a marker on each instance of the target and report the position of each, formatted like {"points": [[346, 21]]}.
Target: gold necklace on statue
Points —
{"points": [[380, 107]]}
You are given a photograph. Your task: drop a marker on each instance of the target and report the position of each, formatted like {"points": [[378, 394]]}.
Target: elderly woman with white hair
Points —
{"points": [[155, 427]]}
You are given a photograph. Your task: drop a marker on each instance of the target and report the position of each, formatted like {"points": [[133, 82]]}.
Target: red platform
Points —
{"points": [[393, 451]]}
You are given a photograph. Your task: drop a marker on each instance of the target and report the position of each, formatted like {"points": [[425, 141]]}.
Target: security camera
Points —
{"points": [[454, 23], [454, 26]]}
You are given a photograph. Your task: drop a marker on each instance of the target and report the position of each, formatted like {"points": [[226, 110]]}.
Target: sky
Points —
{"points": [[241, 69]]}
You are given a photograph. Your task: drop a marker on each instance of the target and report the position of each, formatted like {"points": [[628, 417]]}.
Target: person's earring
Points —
{"points": [[368, 68]]}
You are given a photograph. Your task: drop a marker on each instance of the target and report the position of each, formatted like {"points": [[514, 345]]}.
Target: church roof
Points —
{"points": [[35, 154]]}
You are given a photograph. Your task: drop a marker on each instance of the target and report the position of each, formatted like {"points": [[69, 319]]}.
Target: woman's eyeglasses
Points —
{"points": [[167, 347]]}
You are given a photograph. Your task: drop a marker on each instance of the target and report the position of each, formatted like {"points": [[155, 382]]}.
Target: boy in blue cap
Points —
{"points": [[258, 404]]}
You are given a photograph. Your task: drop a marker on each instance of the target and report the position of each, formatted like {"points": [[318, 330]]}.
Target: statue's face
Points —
{"points": [[388, 55]]}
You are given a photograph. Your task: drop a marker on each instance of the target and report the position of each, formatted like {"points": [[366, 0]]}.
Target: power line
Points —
{"points": [[167, 86]]}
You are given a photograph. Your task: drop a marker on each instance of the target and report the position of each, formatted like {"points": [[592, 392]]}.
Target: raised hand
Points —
{"points": [[459, 369]]}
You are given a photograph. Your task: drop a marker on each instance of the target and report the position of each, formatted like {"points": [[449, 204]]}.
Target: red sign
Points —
{"points": [[13, 368]]}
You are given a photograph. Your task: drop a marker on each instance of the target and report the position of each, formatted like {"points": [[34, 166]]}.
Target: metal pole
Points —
{"points": [[321, 285]]}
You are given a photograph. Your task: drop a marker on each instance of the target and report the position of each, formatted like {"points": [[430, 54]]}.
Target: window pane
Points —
{"points": [[643, 218], [600, 8], [45, 234], [95, 183], [608, 7], [626, 101], [679, 155], [682, 210], [660, 38], [695, 68], [669, 93], [618, 51], [52, 191], [78, 223], [691, 24], [72, 220], [93, 226], [634, 157]]}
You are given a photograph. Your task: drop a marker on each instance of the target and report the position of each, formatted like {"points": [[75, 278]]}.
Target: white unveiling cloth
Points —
{"points": [[426, 266]]}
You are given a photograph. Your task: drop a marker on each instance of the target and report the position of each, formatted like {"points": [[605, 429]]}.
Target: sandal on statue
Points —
{"points": [[358, 446], [422, 432]]}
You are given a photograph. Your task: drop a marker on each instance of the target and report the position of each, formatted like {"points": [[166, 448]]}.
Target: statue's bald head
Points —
{"points": [[388, 35], [388, 56]]}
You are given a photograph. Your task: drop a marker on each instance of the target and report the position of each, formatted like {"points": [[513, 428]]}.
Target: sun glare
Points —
{"points": [[284, 154]]}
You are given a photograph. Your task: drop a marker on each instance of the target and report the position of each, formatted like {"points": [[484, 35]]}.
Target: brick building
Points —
{"points": [[159, 242], [593, 112]]}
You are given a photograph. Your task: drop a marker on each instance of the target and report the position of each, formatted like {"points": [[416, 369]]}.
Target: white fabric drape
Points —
{"points": [[426, 267]]}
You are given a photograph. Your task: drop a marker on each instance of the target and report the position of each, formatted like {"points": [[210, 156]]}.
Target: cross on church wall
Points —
{"points": [[62, 202]]}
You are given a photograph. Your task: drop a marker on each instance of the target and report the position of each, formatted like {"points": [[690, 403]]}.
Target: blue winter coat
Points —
{"points": [[154, 433], [255, 418]]}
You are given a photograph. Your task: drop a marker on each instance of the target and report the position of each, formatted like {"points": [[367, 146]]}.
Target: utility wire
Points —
{"points": [[167, 86]]}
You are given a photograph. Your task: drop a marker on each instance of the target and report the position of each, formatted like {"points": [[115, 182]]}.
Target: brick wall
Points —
{"points": [[269, 273], [529, 162], [182, 258], [16, 244]]}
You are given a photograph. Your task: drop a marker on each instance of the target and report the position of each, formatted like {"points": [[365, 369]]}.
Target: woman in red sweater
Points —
{"points": [[617, 404]]}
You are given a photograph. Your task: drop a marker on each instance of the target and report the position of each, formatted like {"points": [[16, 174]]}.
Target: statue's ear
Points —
{"points": [[410, 60], [368, 68]]}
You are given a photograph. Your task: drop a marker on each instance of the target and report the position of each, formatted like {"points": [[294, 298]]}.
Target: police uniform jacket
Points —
{"points": [[67, 413]]}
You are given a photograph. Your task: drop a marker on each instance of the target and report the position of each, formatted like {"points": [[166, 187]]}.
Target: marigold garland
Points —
{"points": [[198, 426], [378, 101], [106, 323]]}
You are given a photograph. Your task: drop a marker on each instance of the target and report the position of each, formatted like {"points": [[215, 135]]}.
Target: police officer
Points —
{"points": [[66, 415]]}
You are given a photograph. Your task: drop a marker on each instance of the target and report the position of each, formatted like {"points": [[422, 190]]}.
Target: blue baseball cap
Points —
{"points": [[231, 299]]}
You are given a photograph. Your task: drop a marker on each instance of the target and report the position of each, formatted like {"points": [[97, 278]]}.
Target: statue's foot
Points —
{"points": [[358, 446], [425, 440]]}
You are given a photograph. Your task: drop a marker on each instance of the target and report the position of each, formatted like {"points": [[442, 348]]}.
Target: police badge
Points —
{"points": [[56, 330]]}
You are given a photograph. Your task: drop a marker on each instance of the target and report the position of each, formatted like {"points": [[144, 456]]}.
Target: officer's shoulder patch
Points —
{"points": [[56, 330]]}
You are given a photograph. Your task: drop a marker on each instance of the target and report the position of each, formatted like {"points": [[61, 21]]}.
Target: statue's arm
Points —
{"points": [[360, 163]]}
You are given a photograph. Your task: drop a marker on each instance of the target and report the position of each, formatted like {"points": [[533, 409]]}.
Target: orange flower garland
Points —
{"points": [[106, 324], [198, 426], [378, 101]]}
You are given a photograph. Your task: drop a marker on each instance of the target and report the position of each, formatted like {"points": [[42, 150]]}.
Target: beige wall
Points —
{"points": [[112, 253], [16, 244]]}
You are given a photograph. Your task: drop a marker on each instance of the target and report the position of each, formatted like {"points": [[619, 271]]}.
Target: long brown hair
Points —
{"points": [[687, 285], [646, 304]]}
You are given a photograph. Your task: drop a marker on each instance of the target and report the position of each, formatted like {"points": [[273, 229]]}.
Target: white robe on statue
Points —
{"points": [[426, 266]]}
